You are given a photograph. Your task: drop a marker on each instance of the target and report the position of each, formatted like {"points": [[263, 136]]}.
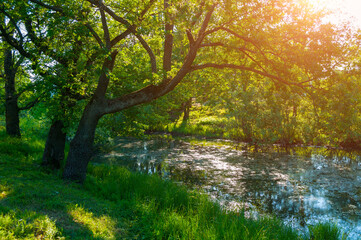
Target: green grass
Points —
{"points": [[326, 231], [115, 203], [202, 122]]}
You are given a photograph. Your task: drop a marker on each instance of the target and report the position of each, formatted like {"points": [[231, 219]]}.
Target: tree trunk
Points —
{"points": [[186, 109], [12, 117], [81, 146], [11, 99], [54, 147]]}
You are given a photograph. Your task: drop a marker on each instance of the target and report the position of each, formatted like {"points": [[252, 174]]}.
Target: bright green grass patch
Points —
{"points": [[211, 127], [27, 225], [114, 203], [103, 227], [202, 122], [326, 231]]}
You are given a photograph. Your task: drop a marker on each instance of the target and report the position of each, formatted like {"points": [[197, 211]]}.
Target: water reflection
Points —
{"points": [[301, 185]]}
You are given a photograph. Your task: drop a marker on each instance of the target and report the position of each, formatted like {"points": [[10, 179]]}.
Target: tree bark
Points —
{"points": [[12, 117], [11, 99], [81, 146], [168, 42], [186, 109], [54, 147]]}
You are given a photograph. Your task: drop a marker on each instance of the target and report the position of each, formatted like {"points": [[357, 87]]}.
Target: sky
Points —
{"points": [[350, 9]]}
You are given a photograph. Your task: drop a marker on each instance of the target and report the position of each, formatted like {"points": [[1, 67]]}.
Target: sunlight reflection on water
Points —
{"points": [[299, 185]]}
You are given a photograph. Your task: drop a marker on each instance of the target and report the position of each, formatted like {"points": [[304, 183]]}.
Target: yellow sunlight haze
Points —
{"points": [[344, 10]]}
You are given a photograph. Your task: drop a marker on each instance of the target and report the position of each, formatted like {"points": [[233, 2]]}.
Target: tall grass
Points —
{"points": [[164, 210], [326, 231]]}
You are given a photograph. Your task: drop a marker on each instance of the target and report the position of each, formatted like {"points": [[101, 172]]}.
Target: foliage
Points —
{"points": [[254, 110]]}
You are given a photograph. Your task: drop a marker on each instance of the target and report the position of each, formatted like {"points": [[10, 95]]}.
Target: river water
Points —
{"points": [[301, 185]]}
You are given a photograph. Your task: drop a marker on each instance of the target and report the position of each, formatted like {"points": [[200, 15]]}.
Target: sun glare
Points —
{"points": [[345, 10]]}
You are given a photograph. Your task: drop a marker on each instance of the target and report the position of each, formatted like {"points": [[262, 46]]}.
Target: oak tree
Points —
{"points": [[284, 41]]}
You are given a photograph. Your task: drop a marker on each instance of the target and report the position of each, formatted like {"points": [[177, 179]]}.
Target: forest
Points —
{"points": [[89, 78]]}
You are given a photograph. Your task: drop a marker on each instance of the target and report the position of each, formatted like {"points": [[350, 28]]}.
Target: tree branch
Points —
{"points": [[10, 39], [105, 25], [29, 87], [199, 14], [110, 12], [146, 9], [103, 81], [153, 61], [190, 37], [95, 35], [220, 44], [14, 43], [202, 31], [240, 67], [14, 25], [121, 36], [168, 41], [246, 39], [130, 29], [18, 63], [54, 8], [43, 47], [152, 92], [254, 60], [30, 104]]}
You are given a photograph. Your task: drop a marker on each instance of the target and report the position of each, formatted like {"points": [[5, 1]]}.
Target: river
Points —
{"points": [[301, 185]]}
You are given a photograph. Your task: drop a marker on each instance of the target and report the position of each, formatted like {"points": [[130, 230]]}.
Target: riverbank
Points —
{"points": [[115, 203], [188, 132], [208, 124]]}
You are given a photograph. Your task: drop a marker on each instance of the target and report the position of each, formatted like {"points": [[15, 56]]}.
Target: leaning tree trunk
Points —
{"points": [[11, 99], [54, 147], [81, 147]]}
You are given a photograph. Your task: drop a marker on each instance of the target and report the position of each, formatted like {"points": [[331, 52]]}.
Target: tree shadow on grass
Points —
{"points": [[76, 213]]}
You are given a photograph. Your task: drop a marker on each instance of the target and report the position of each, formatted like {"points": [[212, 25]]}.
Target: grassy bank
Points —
{"points": [[205, 122], [115, 203]]}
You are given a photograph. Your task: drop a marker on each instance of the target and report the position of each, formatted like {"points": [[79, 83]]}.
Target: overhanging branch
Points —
{"points": [[222, 28], [152, 92], [240, 67], [145, 45], [54, 8], [121, 36], [220, 44]]}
